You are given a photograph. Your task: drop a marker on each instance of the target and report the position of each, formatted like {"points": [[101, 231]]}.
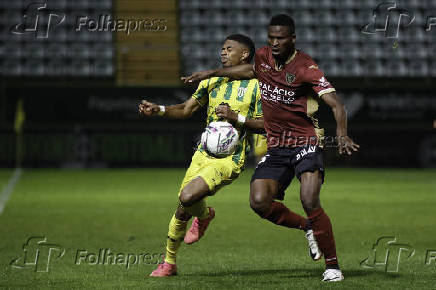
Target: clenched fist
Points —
{"points": [[148, 109], [224, 111]]}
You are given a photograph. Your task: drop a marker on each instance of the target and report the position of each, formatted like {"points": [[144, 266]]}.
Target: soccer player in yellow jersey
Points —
{"points": [[237, 101]]}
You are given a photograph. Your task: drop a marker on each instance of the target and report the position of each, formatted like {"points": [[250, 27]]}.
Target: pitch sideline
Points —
{"points": [[9, 188]]}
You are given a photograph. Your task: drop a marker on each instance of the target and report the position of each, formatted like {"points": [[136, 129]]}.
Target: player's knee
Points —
{"points": [[186, 198], [258, 203]]}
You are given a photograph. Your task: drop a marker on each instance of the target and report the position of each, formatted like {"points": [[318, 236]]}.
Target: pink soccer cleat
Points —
{"points": [[164, 270], [198, 227]]}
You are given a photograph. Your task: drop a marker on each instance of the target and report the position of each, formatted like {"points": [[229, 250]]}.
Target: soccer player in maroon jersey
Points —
{"points": [[291, 85]]}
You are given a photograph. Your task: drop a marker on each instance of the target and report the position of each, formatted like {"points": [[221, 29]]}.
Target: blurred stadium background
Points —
{"points": [[79, 90], [69, 99]]}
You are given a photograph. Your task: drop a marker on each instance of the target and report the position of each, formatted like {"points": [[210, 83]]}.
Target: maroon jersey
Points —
{"points": [[290, 98]]}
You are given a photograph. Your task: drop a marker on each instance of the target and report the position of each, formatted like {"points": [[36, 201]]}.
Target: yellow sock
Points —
{"points": [[176, 233], [198, 209]]}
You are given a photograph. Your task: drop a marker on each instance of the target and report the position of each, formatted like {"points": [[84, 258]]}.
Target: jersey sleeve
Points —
{"points": [[315, 77], [258, 110], [201, 94]]}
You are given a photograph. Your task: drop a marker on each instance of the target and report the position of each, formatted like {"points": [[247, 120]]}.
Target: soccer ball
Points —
{"points": [[220, 139]]}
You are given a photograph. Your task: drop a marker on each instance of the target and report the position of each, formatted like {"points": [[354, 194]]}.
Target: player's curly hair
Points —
{"points": [[283, 20], [245, 40]]}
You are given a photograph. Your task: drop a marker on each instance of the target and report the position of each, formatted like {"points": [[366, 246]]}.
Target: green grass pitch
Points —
{"points": [[127, 211]]}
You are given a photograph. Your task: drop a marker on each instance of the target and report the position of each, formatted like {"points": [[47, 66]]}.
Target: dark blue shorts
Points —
{"points": [[282, 164]]}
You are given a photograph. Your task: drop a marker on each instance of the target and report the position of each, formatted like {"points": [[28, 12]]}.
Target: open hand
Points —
{"points": [[347, 145]]}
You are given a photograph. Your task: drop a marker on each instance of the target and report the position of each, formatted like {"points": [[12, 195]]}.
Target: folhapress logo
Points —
{"points": [[37, 255], [388, 18], [38, 20], [386, 252]]}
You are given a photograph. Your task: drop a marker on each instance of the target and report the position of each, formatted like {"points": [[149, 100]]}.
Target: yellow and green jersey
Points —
{"points": [[243, 96]]}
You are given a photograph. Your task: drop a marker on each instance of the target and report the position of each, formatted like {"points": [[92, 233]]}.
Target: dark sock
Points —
{"points": [[308, 225], [332, 266], [323, 232], [283, 216]]}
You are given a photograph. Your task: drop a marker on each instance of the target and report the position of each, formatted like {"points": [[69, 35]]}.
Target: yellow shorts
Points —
{"points": [[259, 145], [216, 172]]}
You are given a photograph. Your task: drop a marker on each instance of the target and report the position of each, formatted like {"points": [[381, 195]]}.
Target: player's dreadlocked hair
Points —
{"points": [[245, 40], [283, 20]]}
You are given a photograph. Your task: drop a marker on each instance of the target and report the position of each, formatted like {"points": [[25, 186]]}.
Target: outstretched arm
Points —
{"points": [[254, 125], [237, 72], [346, 144], [179, 111]]}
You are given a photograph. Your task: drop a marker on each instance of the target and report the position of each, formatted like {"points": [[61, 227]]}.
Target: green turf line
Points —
{"points": [[9, 188]]}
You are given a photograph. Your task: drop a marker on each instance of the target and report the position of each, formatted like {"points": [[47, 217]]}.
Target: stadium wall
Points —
{"points": [[100, 127]]}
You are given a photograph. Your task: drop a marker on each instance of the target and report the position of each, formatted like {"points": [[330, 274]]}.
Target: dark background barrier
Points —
{"points": [[99, 127]]}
